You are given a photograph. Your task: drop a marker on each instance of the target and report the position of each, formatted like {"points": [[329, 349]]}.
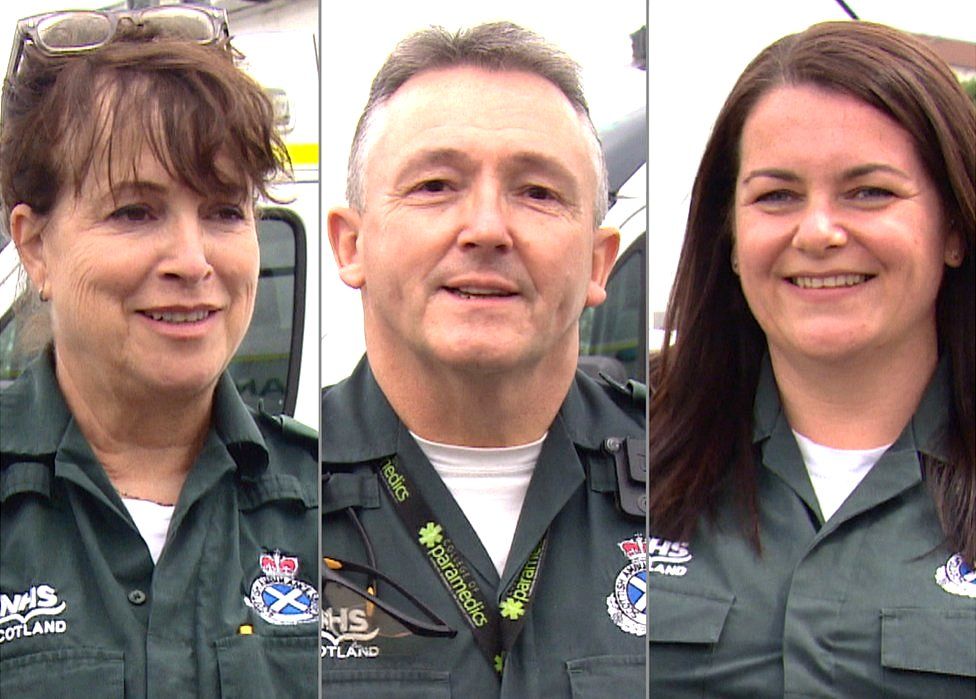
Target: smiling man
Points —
{"points": [[470, 473]]}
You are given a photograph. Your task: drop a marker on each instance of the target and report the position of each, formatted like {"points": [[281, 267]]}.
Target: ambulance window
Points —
{"points": [[266, 365], [616, 329]]}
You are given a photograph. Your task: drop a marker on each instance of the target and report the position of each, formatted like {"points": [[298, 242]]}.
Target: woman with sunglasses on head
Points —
{"points": [[158, 539], [812, 472]]}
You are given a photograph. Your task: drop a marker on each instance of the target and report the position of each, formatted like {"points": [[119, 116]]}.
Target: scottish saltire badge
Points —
{"points": [[278, 597], [957, 577], [627, 604]]}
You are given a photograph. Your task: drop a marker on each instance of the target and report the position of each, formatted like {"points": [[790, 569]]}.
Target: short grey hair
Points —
{"points": [[496, 46]]}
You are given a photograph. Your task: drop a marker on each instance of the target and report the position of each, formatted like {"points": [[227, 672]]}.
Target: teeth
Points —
{"points": [[468, 291], [830, 282], [177, 317]]}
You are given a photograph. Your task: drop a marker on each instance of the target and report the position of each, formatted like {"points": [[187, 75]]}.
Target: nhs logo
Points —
{"points": [[32, 612]]}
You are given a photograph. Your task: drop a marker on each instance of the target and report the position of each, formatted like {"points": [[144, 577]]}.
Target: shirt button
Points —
{"points": [[137, 597]]}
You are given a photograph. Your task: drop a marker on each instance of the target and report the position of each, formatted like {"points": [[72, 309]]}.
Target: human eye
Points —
{"points": [[133, 213], [871, 194], [777, 197], [432, 186], [540, 193], [228, 212]]}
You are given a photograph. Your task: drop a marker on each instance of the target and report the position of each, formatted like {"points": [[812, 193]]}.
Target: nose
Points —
{"points": [[185, 251], [819, 229], [486, 221]]}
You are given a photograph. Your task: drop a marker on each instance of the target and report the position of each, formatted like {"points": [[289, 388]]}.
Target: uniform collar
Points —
{"points": [[236, 428], [35, 418], [34, 414], [359, 424], [899, 467], [925, 433]]}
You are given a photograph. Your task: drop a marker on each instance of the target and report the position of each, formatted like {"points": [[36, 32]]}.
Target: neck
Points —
{"points": [[857, 403], [147, 444], [474, 406]]}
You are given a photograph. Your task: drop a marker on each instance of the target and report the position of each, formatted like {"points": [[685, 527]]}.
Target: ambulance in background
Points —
{"points": [[277, 363]]}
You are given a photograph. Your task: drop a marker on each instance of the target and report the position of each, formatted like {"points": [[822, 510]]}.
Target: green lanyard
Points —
{"points": [[495, 628]]}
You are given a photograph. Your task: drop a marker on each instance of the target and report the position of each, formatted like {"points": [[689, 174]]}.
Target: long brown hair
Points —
{"points": [[700, 427]]}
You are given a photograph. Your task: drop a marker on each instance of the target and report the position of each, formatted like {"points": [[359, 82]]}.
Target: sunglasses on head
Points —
{"points": [[78, 31]]}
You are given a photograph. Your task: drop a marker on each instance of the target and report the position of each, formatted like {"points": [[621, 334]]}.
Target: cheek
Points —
{"points": [[88, 278], [239, 270]]}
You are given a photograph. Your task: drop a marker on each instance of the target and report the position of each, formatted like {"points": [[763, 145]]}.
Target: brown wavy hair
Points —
{"points": [[700, 426]]}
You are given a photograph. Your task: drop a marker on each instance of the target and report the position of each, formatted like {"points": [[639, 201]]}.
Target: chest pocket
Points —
{"points": [[74, 672], [607, 676], [270, 667], [683, 627], [372, 684], [929, 652]]}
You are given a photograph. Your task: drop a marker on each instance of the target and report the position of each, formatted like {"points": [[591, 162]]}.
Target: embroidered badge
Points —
{"points": [[957, 577], [278, 597], [346, 633], [667, 557], [627, 604], [31, 613]]}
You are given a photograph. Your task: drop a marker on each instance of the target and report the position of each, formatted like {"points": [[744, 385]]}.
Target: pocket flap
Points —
{"points": [[400, 683], [929, 640], [69, 672], [686, 616], [607, 676]]}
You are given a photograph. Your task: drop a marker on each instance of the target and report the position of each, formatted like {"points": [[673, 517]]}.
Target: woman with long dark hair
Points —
{"points": [[812, 470]]}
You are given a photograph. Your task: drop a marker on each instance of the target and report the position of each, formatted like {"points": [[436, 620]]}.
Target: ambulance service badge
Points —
{"points": [[957, 577], [278, 596], [627, 604]]}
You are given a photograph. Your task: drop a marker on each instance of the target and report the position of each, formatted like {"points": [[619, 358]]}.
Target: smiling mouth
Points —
{"points": [[179, 317], [470, 292], [834, 282]]}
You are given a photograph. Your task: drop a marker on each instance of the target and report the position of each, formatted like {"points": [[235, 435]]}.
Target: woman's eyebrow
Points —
{"points": [[774, 173]]}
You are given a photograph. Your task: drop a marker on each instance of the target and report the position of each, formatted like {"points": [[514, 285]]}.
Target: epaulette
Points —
{"points": [[292, 430], [633, 391], [349, 485]]}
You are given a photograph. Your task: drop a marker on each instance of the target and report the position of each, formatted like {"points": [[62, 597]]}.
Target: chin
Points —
{"points": [[485, 358], [185, 379]]}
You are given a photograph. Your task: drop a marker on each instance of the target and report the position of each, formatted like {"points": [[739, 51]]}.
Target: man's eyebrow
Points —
{"points": [[518, 162], [434, 157], [543, 163]]}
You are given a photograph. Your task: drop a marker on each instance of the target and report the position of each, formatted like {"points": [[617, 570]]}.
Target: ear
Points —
{"points": [[344, 224], [606, 242], [954, 250], [26, 230]]}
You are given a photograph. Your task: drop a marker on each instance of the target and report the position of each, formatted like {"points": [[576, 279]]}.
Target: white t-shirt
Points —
{"points": [[152, 521], [835, 473], [489, 485]]}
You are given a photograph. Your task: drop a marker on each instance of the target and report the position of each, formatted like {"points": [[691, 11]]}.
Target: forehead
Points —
{"points": [[812, 125], [489, 114]]}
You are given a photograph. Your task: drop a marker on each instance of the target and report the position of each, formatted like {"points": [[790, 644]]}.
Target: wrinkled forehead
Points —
{"points": [[439, 107]]}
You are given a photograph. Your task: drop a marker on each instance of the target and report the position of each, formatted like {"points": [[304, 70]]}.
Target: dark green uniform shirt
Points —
{"points": [[85, 613], [850, 607], [569, 644]]}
